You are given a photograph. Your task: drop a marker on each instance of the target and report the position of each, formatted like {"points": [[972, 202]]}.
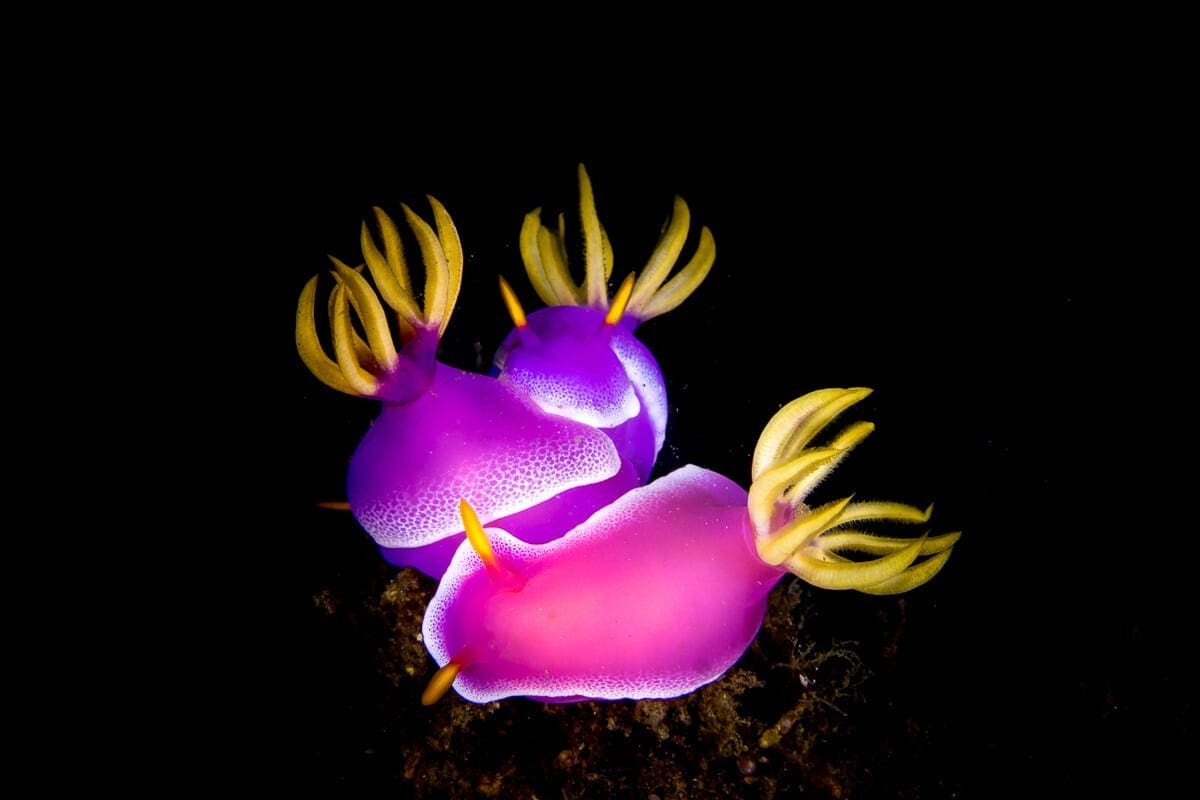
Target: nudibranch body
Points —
{"points": [[469, 433], [539, 447], [579, 359], [661, 591]]}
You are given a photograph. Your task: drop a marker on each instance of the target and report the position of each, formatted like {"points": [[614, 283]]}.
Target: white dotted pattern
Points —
{"points": [[599, 403], [507, 478]]}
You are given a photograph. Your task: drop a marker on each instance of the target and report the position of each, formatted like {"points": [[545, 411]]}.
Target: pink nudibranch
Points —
{"points": [[661, 591], [573, 415]]}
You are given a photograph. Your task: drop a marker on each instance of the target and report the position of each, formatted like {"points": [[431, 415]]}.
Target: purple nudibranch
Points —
{"points": [[571, 417]]}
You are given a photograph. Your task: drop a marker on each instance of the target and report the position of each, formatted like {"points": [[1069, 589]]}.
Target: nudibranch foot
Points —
{"points": [[366, 361], [813, 542]]}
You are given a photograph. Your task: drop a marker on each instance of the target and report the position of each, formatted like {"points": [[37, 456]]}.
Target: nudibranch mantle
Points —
{"points": [[616, 609], [469, 434], [573, 371], [570, 363], [661, 591]]}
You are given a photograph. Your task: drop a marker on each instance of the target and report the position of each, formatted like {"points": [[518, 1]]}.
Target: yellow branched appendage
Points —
{"points": [[363, 346], [545, 255], [811, 542]]}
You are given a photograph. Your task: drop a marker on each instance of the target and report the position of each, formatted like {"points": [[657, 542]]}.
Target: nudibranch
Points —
{"points": [[661, 591], [532, 464], [579, 357]]}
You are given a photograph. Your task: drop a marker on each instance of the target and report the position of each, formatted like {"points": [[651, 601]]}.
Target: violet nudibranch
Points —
{"points": [[572, 416], [661, 591]]}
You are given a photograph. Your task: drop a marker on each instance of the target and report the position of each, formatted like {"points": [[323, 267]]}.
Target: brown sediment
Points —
{"points": [[784, 721]]}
